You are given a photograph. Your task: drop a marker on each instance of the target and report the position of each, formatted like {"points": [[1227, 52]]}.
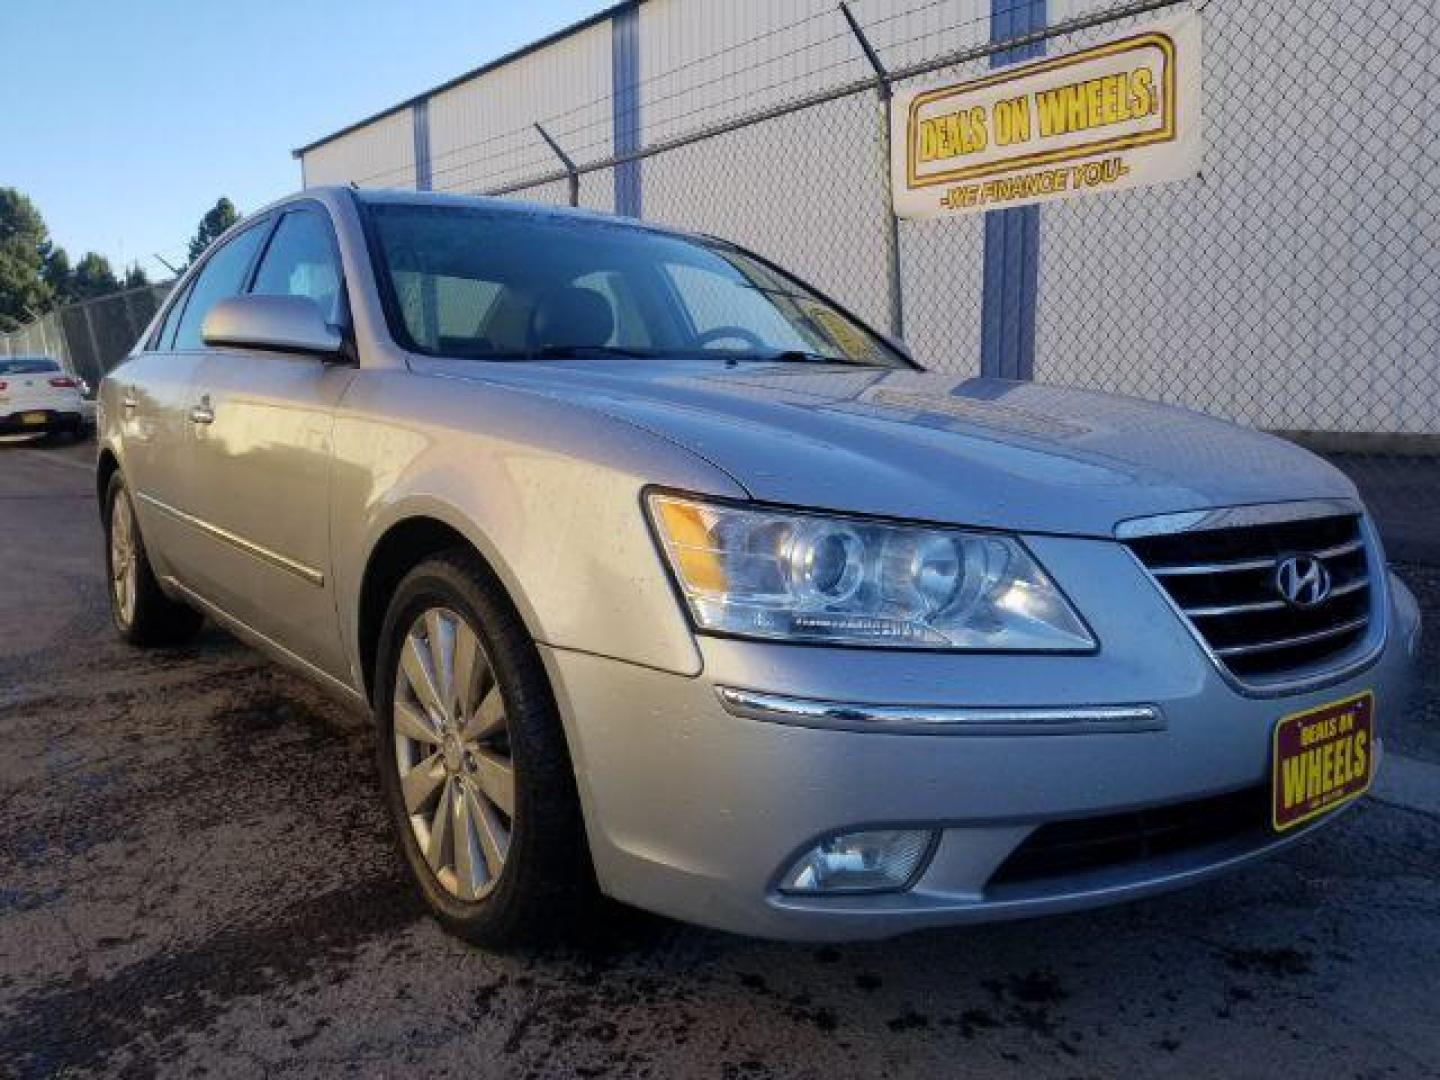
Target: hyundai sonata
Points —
{"points": [[661, 572]]}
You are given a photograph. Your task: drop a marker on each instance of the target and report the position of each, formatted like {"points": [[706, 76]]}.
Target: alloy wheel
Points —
{"points": [[124, 564], [452, 751]]}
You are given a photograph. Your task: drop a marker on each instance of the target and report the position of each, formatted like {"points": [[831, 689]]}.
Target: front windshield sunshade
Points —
{"points": [[469, 282]]}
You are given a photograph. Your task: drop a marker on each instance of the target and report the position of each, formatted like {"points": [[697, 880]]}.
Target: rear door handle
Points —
{"points": [[203, 413], [129, 404]]}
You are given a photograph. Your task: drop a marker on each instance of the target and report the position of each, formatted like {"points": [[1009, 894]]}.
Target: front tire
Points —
{"points": [[143, 615], [473, 761]]}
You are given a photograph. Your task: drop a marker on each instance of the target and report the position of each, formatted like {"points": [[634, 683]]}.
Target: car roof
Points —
{"points": [[491, 204]]}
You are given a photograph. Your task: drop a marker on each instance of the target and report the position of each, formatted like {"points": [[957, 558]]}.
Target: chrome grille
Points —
{"points": [[1224, 581]]}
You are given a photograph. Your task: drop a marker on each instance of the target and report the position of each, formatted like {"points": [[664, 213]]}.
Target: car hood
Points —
{"points": [[920, 446]]}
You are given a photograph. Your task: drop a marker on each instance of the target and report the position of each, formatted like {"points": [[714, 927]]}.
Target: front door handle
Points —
{"points": [[203, 413], [129, 404]]}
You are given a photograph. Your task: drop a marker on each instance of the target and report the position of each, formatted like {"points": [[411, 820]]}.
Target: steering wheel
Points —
{"points": [[739, 333]]}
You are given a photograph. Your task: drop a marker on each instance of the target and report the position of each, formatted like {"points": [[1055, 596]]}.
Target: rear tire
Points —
{"points": [[473, 761], [143, 615]]}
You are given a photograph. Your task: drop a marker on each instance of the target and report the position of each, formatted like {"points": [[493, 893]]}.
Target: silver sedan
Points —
{"points": [[661, 573]]}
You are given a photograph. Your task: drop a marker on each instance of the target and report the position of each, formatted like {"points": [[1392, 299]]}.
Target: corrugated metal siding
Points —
{"points": [[701, 63], [942, 262], [480, 131], [912, 31], [800, 201], [1165, 293], [788, 188], [381, 154], [1139, 292]]}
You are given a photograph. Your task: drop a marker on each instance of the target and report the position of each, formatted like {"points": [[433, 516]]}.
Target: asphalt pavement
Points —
{"points": [[196, 879]]}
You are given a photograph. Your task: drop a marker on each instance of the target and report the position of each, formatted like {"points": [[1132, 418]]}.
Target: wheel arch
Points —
{"points": [[399, 549], [105, 468]]}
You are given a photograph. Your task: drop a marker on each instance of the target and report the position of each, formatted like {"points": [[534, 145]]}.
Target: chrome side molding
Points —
{"points": [[307, 574], [938, 720]]}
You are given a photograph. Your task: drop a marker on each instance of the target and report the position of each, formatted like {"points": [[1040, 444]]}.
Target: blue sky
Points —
{"points": [[124, 120]]}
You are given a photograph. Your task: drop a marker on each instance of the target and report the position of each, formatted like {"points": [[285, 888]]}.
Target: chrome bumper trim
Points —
{"points": [[938, 720]]}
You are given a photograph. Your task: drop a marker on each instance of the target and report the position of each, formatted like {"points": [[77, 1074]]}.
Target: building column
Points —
{"points": [[1012, 237], [420, 125], [625, 105]]}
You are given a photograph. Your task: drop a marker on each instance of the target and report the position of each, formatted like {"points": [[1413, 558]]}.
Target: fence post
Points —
{"points": [[570, 171], [96, 364], [134, 323], [54, 331], [892, 238]]}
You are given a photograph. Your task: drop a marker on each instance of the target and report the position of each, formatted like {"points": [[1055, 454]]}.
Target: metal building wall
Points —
{"points": [[380, 154], [1222, 293], [481, 134], [943, 263], [782, 187], [1237, 292]]}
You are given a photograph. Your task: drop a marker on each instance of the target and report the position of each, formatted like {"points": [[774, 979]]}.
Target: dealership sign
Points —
{"points": [[1119, 114]]}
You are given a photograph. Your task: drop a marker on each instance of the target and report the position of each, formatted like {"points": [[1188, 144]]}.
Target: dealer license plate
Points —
{"points": [[1323, 758], [32, 418]]}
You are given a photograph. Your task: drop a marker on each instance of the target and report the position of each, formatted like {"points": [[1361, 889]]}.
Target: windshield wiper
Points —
{"points": [[801, 356], [572, 352]]}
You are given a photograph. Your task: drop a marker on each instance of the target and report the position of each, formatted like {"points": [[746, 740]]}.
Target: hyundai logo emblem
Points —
{"points": [[1302, 581]]}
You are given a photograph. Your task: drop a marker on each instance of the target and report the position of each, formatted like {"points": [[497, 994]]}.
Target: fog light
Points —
{"points": [[880, 861]]}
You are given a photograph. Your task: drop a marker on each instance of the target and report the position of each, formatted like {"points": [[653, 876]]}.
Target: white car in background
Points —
{"points": [[38, 397]]}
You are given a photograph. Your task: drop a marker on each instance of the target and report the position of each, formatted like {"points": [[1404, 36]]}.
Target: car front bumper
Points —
{"points": [[695, 806]]}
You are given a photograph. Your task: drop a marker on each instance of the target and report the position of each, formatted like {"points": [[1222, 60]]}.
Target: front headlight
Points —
{"points": [[806, 577]]}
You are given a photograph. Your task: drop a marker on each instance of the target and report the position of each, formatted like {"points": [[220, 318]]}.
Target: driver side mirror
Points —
{"points": [[285, 324]]}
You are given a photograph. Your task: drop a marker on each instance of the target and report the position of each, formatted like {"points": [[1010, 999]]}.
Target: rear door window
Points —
{"points": [[165, 336], [222, 276]]}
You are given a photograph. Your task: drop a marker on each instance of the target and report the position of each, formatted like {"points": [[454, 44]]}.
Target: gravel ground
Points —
{"points": [[196, 879]]}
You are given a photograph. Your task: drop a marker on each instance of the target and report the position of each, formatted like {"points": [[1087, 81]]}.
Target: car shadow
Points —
{"points": [[44, 438]]}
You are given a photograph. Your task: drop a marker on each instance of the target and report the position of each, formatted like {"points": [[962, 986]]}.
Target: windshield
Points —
{"points": [[27, 365], [506, 284]]}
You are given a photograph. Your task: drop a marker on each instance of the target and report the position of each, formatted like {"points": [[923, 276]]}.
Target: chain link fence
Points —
{"points": [[89, 338], [1293, 286]]}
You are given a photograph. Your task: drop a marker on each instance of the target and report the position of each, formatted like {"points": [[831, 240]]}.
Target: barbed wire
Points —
{"points": [[643, 105], [847, 89], [606, 99]]}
